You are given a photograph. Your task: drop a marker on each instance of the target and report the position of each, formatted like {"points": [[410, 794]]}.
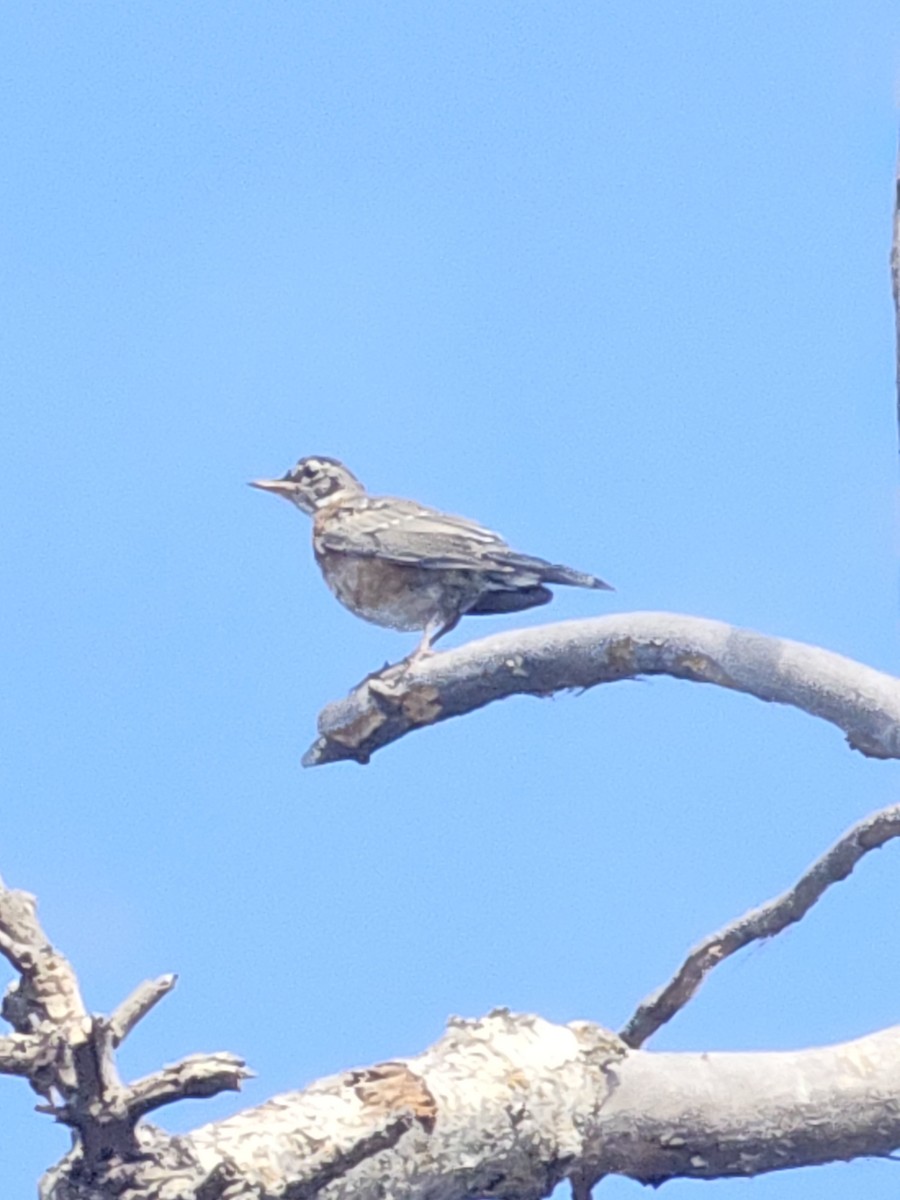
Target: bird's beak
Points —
{"points": [[281, 487]]}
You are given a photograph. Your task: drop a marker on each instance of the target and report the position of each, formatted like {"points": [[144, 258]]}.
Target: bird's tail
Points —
{"points": [[557, 573], [523, 570]]}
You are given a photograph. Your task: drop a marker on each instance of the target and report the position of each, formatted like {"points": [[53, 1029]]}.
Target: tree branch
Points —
{"points": [[47, 994], [763, 922], [195, 1077], [68, 1055], [510, 1105], [863, 702], [506, 1106], [136, 1006]]}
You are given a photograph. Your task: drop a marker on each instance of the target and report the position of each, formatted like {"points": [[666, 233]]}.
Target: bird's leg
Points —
{"points": [[436, 628]]}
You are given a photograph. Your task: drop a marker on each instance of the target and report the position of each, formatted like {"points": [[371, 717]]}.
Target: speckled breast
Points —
{"points": [[398, 596]]}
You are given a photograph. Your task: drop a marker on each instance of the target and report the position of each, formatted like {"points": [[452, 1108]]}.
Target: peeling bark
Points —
{"points": [[68, 1055], [507, 1106]]}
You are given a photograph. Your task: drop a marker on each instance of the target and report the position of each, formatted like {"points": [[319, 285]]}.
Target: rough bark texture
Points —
{"points": [[68, 1056], [506, 1107], [509, 1106], [864, 703]]}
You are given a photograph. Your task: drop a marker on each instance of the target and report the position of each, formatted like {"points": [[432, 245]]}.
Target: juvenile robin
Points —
{"points": [[398, 563]]}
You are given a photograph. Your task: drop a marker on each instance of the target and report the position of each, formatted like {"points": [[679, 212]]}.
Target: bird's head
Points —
{"points": [[313, 483]]}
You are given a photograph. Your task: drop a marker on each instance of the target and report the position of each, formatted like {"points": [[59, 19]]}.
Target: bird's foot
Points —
{"points": [[419, 655]]}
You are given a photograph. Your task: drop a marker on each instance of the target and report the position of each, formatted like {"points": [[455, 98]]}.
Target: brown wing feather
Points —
{"points": [[402, 531]]}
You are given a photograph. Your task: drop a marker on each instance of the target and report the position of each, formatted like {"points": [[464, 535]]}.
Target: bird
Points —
{"points": [[403, 565]]}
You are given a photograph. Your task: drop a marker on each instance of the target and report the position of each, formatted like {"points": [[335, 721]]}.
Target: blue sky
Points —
{"points": [[611, 278]]}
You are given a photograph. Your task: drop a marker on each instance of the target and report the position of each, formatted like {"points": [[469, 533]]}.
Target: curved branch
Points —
{"points": [[196, 1077], [763, 922], [863, 702]]}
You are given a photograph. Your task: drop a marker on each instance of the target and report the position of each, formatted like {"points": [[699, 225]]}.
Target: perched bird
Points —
{"points": [[398, 563]]}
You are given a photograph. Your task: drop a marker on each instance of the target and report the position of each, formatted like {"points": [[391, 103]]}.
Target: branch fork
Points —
{"points": [[68, 1055]]}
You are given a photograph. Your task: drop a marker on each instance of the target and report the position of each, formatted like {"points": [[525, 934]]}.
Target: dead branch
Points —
{"points": [[511, 1105], [764, 922], [68, 1055], [863, 702], [507, 1106], [136, 1006]]}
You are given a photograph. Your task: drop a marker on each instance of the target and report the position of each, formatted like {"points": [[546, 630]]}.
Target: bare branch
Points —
{"points": [[514, 1104], [763, 922], [511, 1105], [196, 1077], [580, 654], [136, 1006], [506, 1105], [23, 1054], [48, 990], [68, 1055]]}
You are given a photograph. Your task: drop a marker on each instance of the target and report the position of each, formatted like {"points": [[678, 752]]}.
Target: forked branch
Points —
{"points": [[511, 1105], [508, 1105], [68, 1055]]}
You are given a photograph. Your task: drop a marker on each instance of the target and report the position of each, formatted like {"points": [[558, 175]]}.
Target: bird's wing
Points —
{"points": [[402, 531]]}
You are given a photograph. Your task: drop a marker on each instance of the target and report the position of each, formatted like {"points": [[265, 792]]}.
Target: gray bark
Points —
{"points": [[863, 702], [506, 1106], [509, 1106]]}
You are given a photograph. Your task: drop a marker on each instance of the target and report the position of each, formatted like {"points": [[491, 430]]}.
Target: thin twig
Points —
{"points": [[763, 922]]}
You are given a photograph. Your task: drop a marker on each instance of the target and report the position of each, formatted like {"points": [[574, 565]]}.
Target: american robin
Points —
{"points": [[398, 563]]}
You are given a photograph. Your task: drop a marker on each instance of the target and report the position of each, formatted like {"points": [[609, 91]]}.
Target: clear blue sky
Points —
{"points": [[611, 278]]}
